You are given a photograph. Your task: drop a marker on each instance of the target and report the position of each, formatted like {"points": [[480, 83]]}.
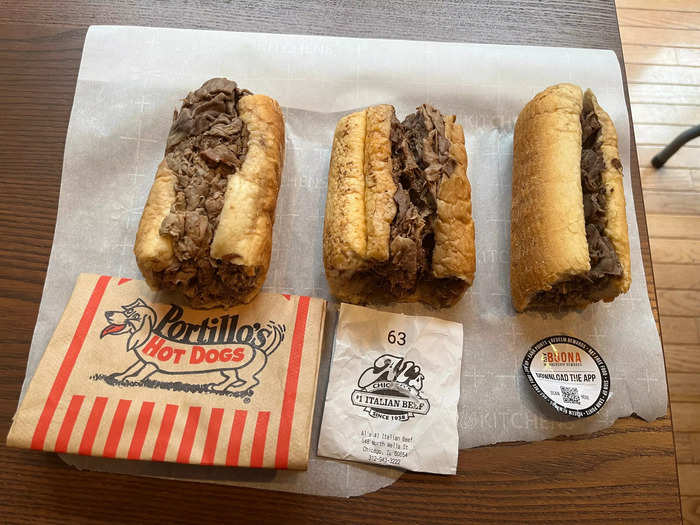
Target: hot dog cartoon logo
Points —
{"points": [[390, 389], [184, 355]]}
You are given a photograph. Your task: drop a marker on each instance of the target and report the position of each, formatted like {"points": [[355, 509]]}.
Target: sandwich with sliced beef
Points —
{"points": [[569, 243], [206, 228], [398, 224]]}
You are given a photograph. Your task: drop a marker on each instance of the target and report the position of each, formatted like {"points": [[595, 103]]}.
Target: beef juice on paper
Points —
{"points": [[393, 391], [129, 377]]}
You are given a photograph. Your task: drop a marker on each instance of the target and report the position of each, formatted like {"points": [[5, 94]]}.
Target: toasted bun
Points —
{"points": [[244, 233], [455, 254], [154, 252], [344, 227], [379, 183]]}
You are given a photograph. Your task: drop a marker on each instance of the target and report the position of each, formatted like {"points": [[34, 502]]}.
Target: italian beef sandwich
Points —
{"points": [[398, 224], [206, 229], [569, 244]]}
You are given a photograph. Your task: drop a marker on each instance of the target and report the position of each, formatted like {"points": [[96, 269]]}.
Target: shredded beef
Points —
{"points": [[420, 159], [207, 143], [605, 264]]}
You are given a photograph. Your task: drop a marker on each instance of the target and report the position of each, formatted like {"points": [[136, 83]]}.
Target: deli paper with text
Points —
{"points": [[393, 390]]}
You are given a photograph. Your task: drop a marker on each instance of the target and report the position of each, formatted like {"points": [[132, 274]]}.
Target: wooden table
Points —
{"points": [[624, 473]]}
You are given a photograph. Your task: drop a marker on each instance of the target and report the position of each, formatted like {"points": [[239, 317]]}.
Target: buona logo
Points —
{"points": [[569, 374], [561, 357], [390, 389], [186, 351]]}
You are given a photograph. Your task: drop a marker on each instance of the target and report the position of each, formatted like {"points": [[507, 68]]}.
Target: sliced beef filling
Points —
{"points": [[420, 159], [605, 264], [207, 144]]}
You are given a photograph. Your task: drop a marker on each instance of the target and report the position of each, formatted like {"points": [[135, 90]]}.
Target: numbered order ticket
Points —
{"points": [[393, 391]]}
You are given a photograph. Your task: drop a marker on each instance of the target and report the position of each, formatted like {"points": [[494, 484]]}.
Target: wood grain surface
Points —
{"points": [[624, 474], [659, 41]]}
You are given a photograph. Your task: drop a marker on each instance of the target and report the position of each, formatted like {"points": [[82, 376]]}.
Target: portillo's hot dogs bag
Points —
{"points": [[127, 377]]}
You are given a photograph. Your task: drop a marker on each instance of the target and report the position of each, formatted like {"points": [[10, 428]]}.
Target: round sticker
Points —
{"points": [[569, 374]]}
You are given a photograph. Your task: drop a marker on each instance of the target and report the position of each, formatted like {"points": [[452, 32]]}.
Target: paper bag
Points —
{"points": [[125, 376]]}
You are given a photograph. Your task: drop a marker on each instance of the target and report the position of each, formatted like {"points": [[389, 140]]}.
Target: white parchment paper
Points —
{"points": [[132, 78]]}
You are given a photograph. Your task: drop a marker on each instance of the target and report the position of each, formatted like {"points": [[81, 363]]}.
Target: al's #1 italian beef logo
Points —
{"points": [[184, 355], [391, 389]]}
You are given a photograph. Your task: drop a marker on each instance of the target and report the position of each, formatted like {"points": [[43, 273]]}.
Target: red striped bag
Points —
{"points": [[127, 377]]}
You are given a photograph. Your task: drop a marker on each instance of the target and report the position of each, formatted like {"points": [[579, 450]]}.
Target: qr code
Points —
{"points": [[570, 395]]}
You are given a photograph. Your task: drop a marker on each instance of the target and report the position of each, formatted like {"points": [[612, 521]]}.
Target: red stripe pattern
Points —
{"points": [[217, 415], [68, 423], [141, 430], [166, 428], [93, 424], [258, 450], [183, 454], [121, 414], [116, 428], [68, 363], [234, 442], [290, 387], [183, 437]]}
